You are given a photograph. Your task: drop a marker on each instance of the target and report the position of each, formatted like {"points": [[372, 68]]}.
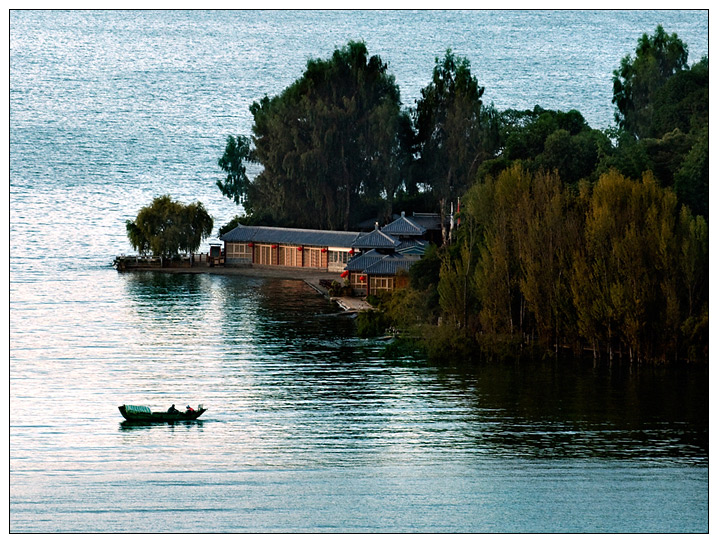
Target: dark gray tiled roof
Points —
{"points": [[412, 247], [390, 264], [430, 221], [404, 226], [362, 261], [376, 239], [291, 236]]}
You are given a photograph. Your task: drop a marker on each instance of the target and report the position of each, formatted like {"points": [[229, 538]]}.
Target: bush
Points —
{"points": [[337, 289], [372, 324]]}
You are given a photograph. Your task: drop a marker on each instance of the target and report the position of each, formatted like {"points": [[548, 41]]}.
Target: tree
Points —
{"points": [[455, 132], [525, 132], [497, 273], [167, 228], [637, 80], [237, 154], [691, 179], [682, 102], [672, 135], [546, 140], [639, 269], [455, 283], [328, 142], [546, 232]]}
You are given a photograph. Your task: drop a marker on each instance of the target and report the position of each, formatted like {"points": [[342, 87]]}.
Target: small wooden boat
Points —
{"points": [[141, 413]]}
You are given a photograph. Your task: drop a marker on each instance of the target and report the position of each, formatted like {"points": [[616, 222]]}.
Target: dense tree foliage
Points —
{"points": [[329, 143], [455, 131], [167, 228], [691, 179], [237, 154], [615, 267], [682, 102], [544, 140], [673, 143], [639, 78]]}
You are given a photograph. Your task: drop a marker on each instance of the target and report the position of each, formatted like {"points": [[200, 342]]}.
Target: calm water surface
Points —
{"points": [[308, 428]]}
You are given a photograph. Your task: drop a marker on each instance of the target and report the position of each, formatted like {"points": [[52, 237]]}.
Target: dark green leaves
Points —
{"points": [[167, 228], [455, 132], [637, 80], [236, 154], [329, 142]]}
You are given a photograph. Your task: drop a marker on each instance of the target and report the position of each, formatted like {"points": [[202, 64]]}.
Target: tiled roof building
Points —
{"points": [[404, 227], [372, 261], [387, 252], [295, 236], [288, 247], [376, 239]]}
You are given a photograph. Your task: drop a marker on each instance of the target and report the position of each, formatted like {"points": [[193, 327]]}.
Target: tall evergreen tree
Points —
{"points": [[328, 142], [637, 80], [237, 154], [455, 131]]}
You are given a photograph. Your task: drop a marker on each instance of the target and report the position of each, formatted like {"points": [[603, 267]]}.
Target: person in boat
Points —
{"points": [[189, 409], [173, 409]]}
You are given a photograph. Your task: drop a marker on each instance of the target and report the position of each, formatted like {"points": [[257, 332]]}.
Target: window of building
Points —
{"points": [[263, 254], [239, 250], [339, 258], [377, 284], [356, 282], [290, 256]]}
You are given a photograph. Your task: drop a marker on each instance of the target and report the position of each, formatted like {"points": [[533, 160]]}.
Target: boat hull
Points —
{"points": [[161, 416]]}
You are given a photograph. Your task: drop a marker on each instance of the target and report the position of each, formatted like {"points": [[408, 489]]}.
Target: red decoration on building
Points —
{"points": [[324, 249], [351, 251], [362, 278], [250, 244], [300, 248], [274, 246], [344, 273]]}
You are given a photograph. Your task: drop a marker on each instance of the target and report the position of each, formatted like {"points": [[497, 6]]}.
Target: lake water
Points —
{"points": [[308, 428]]}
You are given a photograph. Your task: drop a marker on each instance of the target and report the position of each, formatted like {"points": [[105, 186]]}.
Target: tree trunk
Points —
{"points": [[442, 218], [442, 209], [347, 183]]}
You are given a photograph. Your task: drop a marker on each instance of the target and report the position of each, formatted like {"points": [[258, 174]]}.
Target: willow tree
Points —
{"points": [[328, 142], [167, 228]]}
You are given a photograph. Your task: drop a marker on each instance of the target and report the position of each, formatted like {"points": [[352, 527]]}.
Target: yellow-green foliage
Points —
{"points": [[616, 268]]}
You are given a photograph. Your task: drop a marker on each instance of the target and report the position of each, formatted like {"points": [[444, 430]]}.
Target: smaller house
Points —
{"points": [[383, 275], [384, 252], [405, 228]]}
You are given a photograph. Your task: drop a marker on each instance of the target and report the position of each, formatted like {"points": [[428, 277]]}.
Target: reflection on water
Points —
{"points": [[571, 408], [281, 353], [311, 428], [128, 425]]}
